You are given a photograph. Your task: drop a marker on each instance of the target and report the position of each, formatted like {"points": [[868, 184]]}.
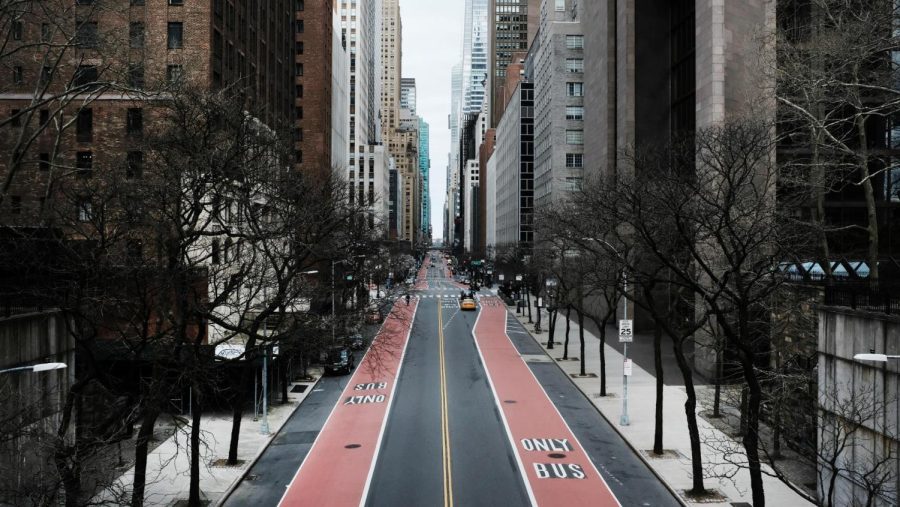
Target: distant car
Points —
{"points": [[356, 341], [467, 303], [339, 359], [373, 316]]}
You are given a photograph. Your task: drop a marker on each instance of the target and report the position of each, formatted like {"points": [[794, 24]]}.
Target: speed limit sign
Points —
{"points": [[625, 331]]}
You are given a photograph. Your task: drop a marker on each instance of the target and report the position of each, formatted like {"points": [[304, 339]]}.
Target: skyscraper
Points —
{"points": [[424, 169], [512, 25], [408, 94], [475, 55]]}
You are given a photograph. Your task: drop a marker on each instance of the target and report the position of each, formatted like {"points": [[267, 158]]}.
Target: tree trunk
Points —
{"points": [[869, 193], [743, 425], [552, 323], [568, 327], [528, 304], [717, 393], [145, 434], [237, 415], [194, 491], [819, 216], [284, 374], [690, 410], [751, 436], [602, 330], [658, 367], [67, 466], [581, 339]]}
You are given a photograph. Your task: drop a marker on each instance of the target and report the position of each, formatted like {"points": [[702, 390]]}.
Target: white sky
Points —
{"points": [[432, 43]]}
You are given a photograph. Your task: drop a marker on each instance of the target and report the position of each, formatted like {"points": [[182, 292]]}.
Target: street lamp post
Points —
{"points": [[623, 420], [333, 264], [36, 368]]}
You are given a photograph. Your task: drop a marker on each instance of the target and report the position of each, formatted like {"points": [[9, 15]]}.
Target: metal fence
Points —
{"points": [[862, 295]]}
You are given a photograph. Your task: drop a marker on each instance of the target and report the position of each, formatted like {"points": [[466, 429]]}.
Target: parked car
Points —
{"points": [[339, 359]]}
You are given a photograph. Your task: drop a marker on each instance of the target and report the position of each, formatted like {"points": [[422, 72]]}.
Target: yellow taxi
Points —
{"points": [[467, 303]]}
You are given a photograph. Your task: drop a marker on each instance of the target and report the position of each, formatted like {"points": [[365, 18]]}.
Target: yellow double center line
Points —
{"points": [[445, 422]]}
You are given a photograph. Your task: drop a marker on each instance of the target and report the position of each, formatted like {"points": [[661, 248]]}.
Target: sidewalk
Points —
{"points": [[674, 467], [168, 465]]}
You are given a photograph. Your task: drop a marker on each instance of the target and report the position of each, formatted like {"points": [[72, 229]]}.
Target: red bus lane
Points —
{"points": [[556, 468], [339, 465], [422, 276]]}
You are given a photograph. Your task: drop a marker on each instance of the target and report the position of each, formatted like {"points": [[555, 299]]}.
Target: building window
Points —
{"points": [[575, 65], [136, 75], [299, 25], [85, 209], [575, 41], [574, 137], [176, 2], [18, 30], [84, 126], [134, 165], [15, 204], [298, 69], [17, 75], [44, 117], [84, 163], [86, 35], [85, 75], [174, 74], [44, 161], [573, 184], [175, 35], [136, 34], [134, 250], [215, 252], [575, 89], [45, 74], [134, 121], [574, 112], [45, 32], [574, 160], [137, 2], [15, 118], [560, 5]]}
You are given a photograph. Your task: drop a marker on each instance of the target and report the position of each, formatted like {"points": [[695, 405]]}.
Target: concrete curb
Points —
{"points": [[262, 449], [612, 424]]}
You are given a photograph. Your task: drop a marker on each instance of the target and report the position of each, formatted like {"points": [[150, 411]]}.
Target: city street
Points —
{"points": [[449, 407]]}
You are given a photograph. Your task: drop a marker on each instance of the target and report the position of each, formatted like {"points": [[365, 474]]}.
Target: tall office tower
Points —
{"points": [[359, 27], [408, 94], [475, 58], [399, 127], [424, 169], [367, 164], [556, 62], [321, 98], [453, 159], [512, 25]]}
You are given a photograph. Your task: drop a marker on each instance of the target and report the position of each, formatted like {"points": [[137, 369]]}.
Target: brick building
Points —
{"points": [[88, 113]]}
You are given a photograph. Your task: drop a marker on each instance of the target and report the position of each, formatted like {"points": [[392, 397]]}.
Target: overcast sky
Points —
{"points": [[432, 43]]}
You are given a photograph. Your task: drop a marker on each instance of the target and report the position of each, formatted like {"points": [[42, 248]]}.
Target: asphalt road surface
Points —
{"points": [[449, 407]]}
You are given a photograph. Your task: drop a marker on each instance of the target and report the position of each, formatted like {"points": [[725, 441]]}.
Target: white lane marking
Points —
{"points": [[387, 412], [509, 434]]}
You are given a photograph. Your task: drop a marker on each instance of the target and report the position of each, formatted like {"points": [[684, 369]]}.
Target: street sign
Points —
{"points": [[626, 368], [625, 331], [275, 350], [540, 302], [501, 277], [518, 278]]}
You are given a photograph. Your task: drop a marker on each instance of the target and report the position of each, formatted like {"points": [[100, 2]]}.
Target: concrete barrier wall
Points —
{"points": [[858, 407]]}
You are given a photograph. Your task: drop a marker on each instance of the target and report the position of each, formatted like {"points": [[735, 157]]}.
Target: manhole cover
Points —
{"points": [[352, 446], [299, 388], [509, 401], [556, 455]]}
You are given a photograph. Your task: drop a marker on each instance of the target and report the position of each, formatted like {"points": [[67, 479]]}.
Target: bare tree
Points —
{"points": [[836, 76]]}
